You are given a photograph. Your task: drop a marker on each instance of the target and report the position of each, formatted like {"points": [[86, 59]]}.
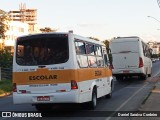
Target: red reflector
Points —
{"points": [[22, 91], [14, 87], [74, 84], [66, 35], [140, 62], [60, 90]]}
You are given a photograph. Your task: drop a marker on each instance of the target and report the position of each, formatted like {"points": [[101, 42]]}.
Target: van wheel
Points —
{"points": [[43, 107], [93, 103]]}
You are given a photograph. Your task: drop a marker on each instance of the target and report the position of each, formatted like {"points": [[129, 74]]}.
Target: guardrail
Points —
{"points": [[5, 73]]}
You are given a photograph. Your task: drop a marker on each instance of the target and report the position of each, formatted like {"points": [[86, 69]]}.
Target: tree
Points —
{"points": [[5, 58], [94, 38], [47, 29], [106, 42], [4, 19]]}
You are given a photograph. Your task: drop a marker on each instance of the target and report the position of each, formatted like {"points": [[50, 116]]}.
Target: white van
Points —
{"points": [[130, 57]]}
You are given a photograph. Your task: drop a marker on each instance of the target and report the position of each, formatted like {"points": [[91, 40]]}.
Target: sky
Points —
{"points": [[103, 19]]}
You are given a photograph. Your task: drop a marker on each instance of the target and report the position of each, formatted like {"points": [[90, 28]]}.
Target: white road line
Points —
{"points": [[130, 98], [126, 102], [157, 73]]}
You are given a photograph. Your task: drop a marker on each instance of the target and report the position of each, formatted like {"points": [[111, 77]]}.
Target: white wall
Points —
{"points": [[16, 29]]}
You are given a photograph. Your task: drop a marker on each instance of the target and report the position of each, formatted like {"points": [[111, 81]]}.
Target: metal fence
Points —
{"points": [[5, 73]]}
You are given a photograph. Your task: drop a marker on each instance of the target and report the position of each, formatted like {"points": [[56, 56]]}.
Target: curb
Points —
{"points": [[5, 94], [152, 100]]}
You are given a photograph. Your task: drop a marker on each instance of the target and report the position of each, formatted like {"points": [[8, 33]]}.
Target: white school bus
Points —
{"points": [[60, 68]]}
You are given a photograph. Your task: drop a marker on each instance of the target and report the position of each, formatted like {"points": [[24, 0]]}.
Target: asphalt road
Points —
{"points": [[128, 95]]}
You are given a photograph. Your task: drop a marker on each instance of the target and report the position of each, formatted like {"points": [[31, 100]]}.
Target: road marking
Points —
{"points": [[156, 74], [126, 102]]}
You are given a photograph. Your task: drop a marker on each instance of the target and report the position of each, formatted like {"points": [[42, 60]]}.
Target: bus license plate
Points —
{"points": [[43, 98]]}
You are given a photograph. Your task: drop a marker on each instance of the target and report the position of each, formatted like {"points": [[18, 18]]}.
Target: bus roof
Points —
{"points": [[126, 39], [75, 36], [88, 39]]}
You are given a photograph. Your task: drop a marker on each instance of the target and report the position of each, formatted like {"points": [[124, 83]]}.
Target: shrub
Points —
{"points": [[5, 58], [5, 86]]}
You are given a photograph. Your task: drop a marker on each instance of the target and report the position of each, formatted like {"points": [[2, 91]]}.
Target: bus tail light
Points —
{"points": [[140, 62], [111, 66], [14, 87], [74, 85]]}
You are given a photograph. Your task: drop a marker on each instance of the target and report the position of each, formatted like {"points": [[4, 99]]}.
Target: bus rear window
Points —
{"points": [[124, 47], [42, 50]]}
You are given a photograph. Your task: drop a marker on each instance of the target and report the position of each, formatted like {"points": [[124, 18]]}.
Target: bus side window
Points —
{"points": [[81, 55], [106, 60], [90, 51], [100, 60], [107, 57]]}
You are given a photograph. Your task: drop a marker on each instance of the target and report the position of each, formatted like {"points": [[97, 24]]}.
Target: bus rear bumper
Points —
{"points": [[128, 71], [62, 97]]}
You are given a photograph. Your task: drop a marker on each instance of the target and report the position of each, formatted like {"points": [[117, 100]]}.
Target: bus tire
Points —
{"points": [[110, 94], [93, 102], [143, 77], [149, 75]]}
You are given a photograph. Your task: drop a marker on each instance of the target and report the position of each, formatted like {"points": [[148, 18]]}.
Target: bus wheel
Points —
{"points": [[43, 107], [149, 75], [93, 103], [110, 94], [143, 77]]}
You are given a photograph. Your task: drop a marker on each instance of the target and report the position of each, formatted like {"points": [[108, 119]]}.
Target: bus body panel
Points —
{"points": [[85, 78], [53, 81], [83, 94], [58, 97], [126, 61]]}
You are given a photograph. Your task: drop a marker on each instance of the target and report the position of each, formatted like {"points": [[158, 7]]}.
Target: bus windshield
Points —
{"points": [[44, 49]]}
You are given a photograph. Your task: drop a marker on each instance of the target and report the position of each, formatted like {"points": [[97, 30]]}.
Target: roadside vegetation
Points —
{"points": [[5, 86], [5, 64]]}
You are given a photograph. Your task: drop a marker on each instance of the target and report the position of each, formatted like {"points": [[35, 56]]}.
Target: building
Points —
{"points": [[26, 16], [23, 22], [16, 29], [155, 46]]}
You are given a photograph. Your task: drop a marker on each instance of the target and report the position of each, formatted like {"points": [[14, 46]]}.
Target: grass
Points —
{"points": [[5, 86]]}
